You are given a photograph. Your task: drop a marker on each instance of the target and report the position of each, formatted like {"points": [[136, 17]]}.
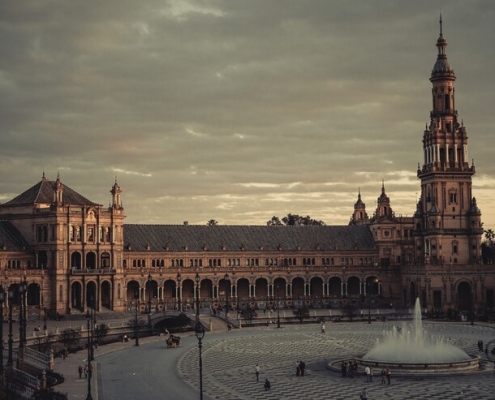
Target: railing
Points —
{"points": [[22, 384], [36, 359], [96, 271]]}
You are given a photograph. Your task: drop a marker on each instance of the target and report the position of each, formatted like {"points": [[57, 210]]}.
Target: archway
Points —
{"points": [[75, 260], [335, 287], [106, 295], [42, 259], [76, 296], [464, 297], [33, 294], [353, 285], [91, 260], [91, 299]]}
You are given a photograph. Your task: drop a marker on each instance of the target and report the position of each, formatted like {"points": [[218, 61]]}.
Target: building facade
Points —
{"points": [[76, 254]]}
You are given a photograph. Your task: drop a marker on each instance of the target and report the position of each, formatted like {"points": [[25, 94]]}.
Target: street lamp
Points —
{"points": [[136, 300], [149, 298], [227, 283], [200, 334], [88, 320], [197, 279], [278, 306], [22, 314], [179, 277], [2, 299]]}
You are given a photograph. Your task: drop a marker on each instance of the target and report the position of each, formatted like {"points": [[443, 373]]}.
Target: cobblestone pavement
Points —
{"points": [[229, 362]]}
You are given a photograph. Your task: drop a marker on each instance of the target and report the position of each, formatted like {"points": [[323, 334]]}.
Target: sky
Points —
{"points": [[238, 111]]}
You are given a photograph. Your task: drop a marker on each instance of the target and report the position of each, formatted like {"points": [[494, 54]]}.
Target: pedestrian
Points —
{"points": [[80, 370], [267, 384], [384, 372], [388, 373], [367, 372], [480, 345], [257, 370], [302, 367], [85, 371], [322, 327], [364, 394], [344, 369], [298, 369]]}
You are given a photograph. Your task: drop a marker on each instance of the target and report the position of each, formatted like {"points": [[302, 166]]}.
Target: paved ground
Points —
{"points": [[151, 371]]}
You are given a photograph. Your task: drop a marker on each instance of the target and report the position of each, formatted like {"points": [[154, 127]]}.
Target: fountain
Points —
{"points": [[409, 350], [411, 344]]}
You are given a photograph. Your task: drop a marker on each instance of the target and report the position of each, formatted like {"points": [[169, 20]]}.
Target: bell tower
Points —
{"points": [[447, 218]]}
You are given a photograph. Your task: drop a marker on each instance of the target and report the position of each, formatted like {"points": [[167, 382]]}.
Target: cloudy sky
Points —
{"points": [[238, 110]]}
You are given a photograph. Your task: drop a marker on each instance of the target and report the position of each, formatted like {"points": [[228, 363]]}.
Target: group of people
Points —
{"points": [[350, 369], [86, 370]]}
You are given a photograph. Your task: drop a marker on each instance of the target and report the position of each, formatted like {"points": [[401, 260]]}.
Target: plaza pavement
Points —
{"points": [[229, 361]]}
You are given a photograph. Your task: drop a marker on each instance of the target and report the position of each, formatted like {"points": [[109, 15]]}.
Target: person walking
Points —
{"points": [[257, 370], [267, 385], [80, 370], [364, 394], [298, 369], [384, 372], [302, 367], [367, 372], [388, 373], [323, 327]]}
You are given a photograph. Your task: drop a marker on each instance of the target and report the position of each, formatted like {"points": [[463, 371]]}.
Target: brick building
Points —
{"points": [[76, 254]]}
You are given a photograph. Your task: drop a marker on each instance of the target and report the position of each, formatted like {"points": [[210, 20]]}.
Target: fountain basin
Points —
{"points": [[414, 369]]}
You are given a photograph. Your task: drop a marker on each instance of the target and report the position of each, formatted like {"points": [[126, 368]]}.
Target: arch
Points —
{"points": [[316, 287], [464, 297], [279, 288], [42, 259], [261, 288], [372, 286], [91, 294], [353, 286], [91, 260], [76, 296], [132, 290], [75, 260], [105, 260], [298, 287], [335, 287], [106, 295], [33, 294], [242, 288]]}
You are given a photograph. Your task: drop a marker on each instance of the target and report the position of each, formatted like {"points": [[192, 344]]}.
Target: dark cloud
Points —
{"points": [[236, 110]]}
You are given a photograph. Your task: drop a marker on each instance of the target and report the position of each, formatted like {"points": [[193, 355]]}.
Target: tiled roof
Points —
{"points": [[43, 192], [12, 238], [251, 238]]}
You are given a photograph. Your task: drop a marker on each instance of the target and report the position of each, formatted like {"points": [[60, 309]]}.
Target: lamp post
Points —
{"points": [[22, 314], [93, 327], [2, 299], [179, 277], [227, 291], [197, 279], [136, 300], [10, 360], [149, 298], [90, 370], [200, 334], [278, 307]]}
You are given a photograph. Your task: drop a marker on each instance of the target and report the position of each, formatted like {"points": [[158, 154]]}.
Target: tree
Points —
{"points": [[350, 310], [70, 338], [294, 220], [212, 222], [301, 313]]}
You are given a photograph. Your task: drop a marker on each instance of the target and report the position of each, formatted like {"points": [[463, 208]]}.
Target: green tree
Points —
{"points": [[70, 338], [294, 220], [212, 222]]}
